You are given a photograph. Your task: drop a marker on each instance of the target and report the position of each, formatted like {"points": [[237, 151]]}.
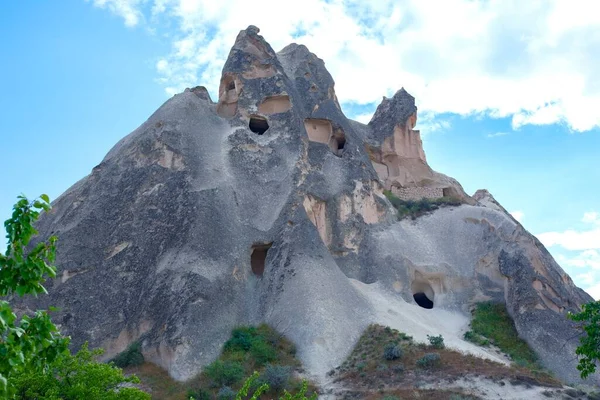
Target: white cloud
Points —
{"points": [[585, 259], [536, 61], [591, 217], [126, 9], [584, 246], [572, 239], [594, 291], [518, 215], [496, 134], [364, 118]]}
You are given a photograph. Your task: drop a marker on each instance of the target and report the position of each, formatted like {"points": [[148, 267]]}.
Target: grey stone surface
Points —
{"points": [[155, 243]]}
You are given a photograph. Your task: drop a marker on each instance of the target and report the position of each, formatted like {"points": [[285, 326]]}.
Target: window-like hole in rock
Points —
{"points": [[422, 300], [337, 143], [423, 294], [258, 125], [231, 85], [258, 258]]}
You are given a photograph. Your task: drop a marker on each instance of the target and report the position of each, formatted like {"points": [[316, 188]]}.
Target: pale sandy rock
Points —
{"points": [[211, 215]]}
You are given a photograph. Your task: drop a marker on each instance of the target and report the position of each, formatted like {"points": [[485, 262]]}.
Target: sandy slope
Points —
{"points": [[393, 311]]}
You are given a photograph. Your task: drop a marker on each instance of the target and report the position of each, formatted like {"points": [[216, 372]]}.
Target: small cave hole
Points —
{"points": [[231, 86], [337, 142], [258, 125], [422, 300], [423, 294], [258, 258]]}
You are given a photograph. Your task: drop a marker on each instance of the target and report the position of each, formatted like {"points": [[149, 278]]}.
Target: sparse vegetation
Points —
{"points": [[226, 393], [276, 376], [416, 208], [392, 352], [491, 321], [132, 356], [476, 338], [221, 373], [368, 370], [250, 349], [437, 342], [429, 360]]}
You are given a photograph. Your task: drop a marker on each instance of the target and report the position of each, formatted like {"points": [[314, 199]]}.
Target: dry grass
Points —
{"points": [[158, 383], [367, 369]]}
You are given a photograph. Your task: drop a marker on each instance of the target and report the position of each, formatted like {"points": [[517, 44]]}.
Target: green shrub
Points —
{"points": [[263, 352], [473, 337], [429, 360], [199, 394], [241, 339], [392, 352], [416, 208], [437, 342], [74, 377], [224, 373], [259, 342], [226, 393], [390, 398], [491, 320], [131, 357], [276, 376]]}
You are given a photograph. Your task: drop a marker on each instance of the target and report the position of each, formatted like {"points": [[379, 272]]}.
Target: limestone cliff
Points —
{"points": [[267, 206]]}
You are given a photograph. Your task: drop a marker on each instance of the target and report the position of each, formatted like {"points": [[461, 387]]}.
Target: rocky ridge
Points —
{"points": [[268, 206]]}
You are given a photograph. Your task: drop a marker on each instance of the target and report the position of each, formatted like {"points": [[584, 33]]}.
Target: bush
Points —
{"points": [[226, 393], [199, 394], [429, 360], [262, 352], [392, 352], [79, 376], [416, 208], [473, 337], [131, 357], [241, 339], [224, 373], [256, 341], [276, 376], [398, 368], [390, 398], [437, 342]]}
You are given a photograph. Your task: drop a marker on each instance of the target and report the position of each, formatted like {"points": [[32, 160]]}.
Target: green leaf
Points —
{"points": [[45, 198]]}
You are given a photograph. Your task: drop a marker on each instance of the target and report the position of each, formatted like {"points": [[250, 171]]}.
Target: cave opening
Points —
{"points": [[423, 294], [422, 300], [258, 125], [258, 258], [338, 142]]}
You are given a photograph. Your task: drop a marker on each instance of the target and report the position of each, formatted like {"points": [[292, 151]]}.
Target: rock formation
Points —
{"points": [[268, 206]]}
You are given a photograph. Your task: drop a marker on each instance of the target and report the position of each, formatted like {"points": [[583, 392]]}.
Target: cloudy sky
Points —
{"points": [[508, 91]]}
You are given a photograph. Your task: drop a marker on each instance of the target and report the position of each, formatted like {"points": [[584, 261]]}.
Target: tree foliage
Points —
{"points": [[589, 347], [79, 376], [29, 342], [33, 353]]}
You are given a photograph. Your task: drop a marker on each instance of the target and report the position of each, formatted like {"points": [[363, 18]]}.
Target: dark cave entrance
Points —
{"points": [[258, 125], [422, 300], [258, 258], [423, 294]]}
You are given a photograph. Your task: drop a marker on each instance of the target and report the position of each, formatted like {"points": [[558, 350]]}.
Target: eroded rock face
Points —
{"points": [[211, 215]]}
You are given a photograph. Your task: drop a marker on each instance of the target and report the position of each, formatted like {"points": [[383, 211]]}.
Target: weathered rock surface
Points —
{"points": [[267, 206]]}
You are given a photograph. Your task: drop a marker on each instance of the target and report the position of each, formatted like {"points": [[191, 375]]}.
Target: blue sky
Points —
{"points": [[508, 93]]}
